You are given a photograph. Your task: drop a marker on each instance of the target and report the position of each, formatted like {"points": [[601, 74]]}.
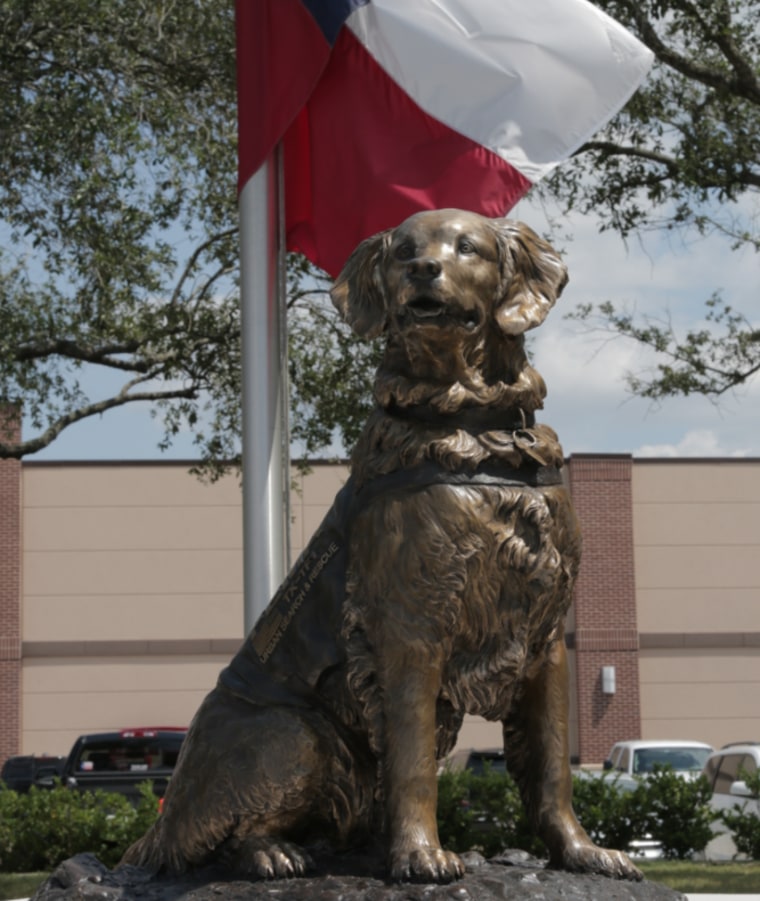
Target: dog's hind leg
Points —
{"points": [[251, 782], [537, 753]]}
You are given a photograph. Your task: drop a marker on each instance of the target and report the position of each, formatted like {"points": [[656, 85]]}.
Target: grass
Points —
{"points": [[20, 885], [681, 875], [718, 878]]}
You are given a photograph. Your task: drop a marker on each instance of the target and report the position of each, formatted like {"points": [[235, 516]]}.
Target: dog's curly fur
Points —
{"points": [[437, 586]]}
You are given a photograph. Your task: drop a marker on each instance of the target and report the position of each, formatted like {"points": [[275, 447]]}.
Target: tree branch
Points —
{"points": [[33, 445], [745, 84], [613, 149], [65, 347], [748, 176], [194, 257]]}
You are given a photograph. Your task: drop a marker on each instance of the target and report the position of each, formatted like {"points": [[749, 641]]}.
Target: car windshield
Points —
{"points": [[691, 759], [481, 764], [128, 755]]}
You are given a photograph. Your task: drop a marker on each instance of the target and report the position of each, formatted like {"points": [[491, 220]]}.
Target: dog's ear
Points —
{"points": [[358, 291], [534, 276]]}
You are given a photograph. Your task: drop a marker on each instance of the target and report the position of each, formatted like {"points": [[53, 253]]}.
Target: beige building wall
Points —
{"points": [[132, 596], [697, 564], [311, 498]]}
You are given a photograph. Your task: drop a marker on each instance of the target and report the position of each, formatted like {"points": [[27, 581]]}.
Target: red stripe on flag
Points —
{"points": [[362, 156], [281, 53]]}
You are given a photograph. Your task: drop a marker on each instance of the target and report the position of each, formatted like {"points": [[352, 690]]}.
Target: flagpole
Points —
{"points": [[264, 394]]}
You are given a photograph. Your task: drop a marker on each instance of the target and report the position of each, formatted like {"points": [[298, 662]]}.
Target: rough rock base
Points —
{"points": [[510, 876]]}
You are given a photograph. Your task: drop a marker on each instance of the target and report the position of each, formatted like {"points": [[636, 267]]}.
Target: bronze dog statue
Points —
{"points": [[436, 586]]}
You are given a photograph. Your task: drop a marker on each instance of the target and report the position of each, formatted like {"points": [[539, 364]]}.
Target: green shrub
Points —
{"points": [[613, 817], [455, 815], [9, 805], [744, 823], [679, 812], [482, 813], [40, 829], [485, 813]]}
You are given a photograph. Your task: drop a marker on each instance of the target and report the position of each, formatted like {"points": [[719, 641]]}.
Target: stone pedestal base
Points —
{"points": [[511, 876]]}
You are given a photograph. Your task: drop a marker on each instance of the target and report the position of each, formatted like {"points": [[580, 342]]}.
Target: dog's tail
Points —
{"points": [[179, 839], [157, 851], [148, 851]]}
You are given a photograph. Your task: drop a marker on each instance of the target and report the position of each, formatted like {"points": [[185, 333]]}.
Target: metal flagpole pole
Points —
{"points": [[264, 394]]}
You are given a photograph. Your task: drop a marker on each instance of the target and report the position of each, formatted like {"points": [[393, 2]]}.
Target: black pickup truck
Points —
{"points": [[121, 761]]}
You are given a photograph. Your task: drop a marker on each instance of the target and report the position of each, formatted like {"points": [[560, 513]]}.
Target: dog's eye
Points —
{"points": [[466, 246], [404, 251]]}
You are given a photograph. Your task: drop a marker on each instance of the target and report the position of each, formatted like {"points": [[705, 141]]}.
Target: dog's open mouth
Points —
{"points": [[426, 308], [429, 309]]}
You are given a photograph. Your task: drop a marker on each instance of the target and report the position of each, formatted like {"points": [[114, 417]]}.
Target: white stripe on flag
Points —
{"points": [[529, 79]]}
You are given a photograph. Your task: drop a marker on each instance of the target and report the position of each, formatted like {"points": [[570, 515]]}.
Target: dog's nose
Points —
{"points": [[424, 268]]}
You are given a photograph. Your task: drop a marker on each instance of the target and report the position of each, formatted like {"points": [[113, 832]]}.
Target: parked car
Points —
{"points": [[22, 771], [725, 770], [630, 760], [477, 760], [121, 761]]}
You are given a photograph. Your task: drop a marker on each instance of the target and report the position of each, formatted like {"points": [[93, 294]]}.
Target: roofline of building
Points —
{"points": [[344, 461]]}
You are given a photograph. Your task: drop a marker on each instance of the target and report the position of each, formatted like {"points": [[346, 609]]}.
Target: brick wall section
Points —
{"points": [[606, 631], [10, 595]]}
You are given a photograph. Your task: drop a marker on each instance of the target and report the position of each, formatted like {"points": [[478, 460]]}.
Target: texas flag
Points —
{"points": [[386, 107]]}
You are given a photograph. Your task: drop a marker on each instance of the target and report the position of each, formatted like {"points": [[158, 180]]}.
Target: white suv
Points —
{"points": [[725, 771], [630, 759]]}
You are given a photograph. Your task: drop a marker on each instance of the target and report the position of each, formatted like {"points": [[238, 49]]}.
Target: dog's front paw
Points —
{"points": [[268, 858], [426, 865], [586, 857]]}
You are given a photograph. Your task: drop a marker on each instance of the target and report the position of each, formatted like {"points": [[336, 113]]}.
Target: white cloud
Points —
{"points": [[588, 401], [695, 443], [574, 362]]}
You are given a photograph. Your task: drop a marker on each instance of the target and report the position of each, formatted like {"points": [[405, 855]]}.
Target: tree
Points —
{"points": [[683, 154], [118, 214], [118, 211], [330, 370]]}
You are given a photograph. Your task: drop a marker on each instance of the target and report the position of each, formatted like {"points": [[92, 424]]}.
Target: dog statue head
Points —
{"points": [[450, 267]]}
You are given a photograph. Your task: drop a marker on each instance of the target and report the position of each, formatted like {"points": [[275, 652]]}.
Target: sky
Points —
{"points": [[588, 403]]}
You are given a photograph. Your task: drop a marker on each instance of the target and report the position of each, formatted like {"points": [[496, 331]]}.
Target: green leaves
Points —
{"points": [[485, 812], [40, 829], [679, 813], [482, 812], [119, 206], [118, 202], [710, 360], [743, 821], [684, 154], [330, 372], [613, 818]]}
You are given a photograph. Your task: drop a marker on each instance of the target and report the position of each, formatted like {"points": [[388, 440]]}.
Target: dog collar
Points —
{"points": [[429, 473], [473, 419]]}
